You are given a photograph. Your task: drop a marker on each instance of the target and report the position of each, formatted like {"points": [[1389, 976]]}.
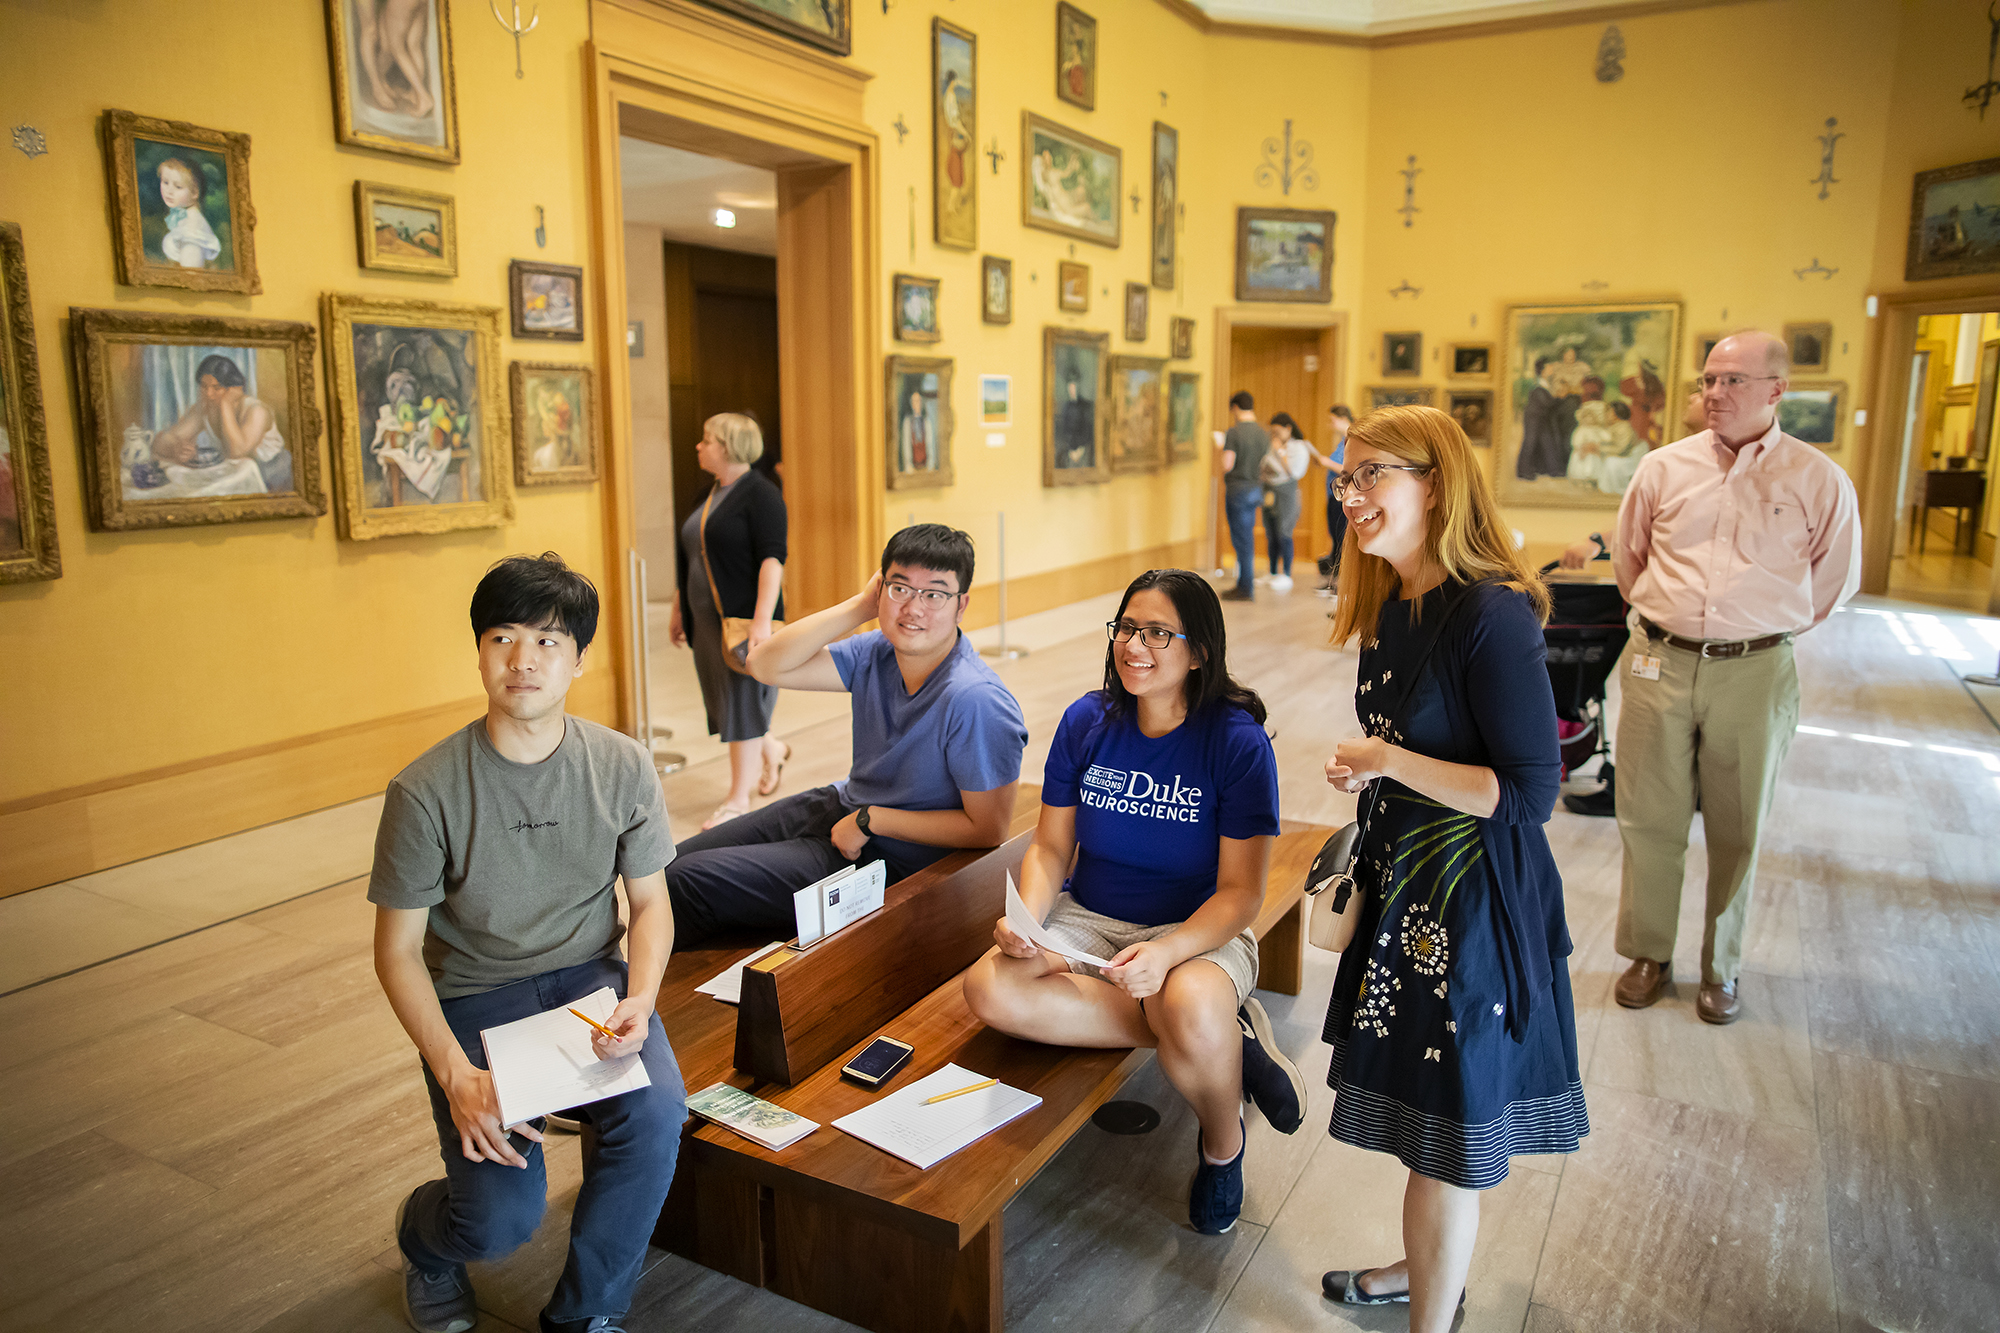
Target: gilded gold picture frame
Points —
{"points": [[834, 32], [1810, 346], [1468, 361], [918, 421], [166, 200], [1183, 417], [996, 289], [1138, 311], [1072, 287], [1071, 183], [1138, 436], [401, 230], [1284, 254], [552, 408], [375, 102], [1076, 56], [1074, 434], [1182, 337], [29, 551], [954, 136]]}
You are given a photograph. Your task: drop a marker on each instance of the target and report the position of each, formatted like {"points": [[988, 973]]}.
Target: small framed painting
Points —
{"points": [[996, 397], [1810, 347], [913, 306], [1704, 343], [1183, 417], [1166, 201], [1284, 254], [1955, 222], [1073, 379], [1070, 182], [393, 88], [1072, 286], [1138, 419], [405, 231], [1403, 354], [190, 420], [545, 300], [918, 395], [1076, 56], [996, 289], [1182, 337], [1469, 361], [1472, 409], [954, 136], [180, 205], [1137, 305], [555, 423], [28, 549], [1811, 411], [1401, 395]]}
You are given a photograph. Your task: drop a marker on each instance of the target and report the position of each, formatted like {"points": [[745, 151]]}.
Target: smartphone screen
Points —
{"points": [[883, 1056]]}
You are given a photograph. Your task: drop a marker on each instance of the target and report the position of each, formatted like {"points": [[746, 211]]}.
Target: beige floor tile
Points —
{"points": [[57, 929], [677, 1294], [1925, 1008], [338, 914], [1759, 1066], [295, 1003]]}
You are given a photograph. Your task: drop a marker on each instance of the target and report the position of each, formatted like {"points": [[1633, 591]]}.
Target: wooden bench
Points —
{"points": [[841, 1226]]}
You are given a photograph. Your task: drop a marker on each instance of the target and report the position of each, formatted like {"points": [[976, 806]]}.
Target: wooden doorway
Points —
{"points": [[1287, 365]]}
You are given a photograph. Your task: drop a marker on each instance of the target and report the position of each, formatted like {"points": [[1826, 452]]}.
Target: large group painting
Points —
{"points": [[393, 87], [1586, 392], [1070, 182], [955, 133], [1073, 422]]}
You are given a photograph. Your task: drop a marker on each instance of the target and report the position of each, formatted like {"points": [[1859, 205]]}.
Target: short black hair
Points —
{"points": [[539, 591], [223, 370], [1207, 640], [1341, 410], [1541, 362], [932, 546], [1242, 401], [1285, 419]]}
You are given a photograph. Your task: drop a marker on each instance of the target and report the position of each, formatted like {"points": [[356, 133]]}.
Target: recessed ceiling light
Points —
{"points": [[725, 217]]}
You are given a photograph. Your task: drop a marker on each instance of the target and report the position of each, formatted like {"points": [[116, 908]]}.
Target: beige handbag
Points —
{"points": [[1335, 894], [735, 629]]}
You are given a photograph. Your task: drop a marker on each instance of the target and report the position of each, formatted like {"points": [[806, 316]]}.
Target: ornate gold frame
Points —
{"points": [[128, 243], [1136, 327], [343, 111], [840, 43], [517, 402], [1164, 266], [1177, 451], [1246, 216], [1030, 122], [1181, 338], [939, 27], [517, 308], [27, 435], [988, 266], [339, 314], [91, 331], [1069, 13], [1065, 270], [892, 367], [1823, 330], [1053, 338], [1841, 409], [1155, 456], [896, 329], [1408, 395], [1416, 341], [1451, 370], [1451, 397], [368, 193]]}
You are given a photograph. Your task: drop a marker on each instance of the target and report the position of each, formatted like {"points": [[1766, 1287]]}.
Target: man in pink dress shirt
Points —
{"points": [[1730, 543]]}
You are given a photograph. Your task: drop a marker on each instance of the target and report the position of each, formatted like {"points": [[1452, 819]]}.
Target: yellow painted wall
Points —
{"points": [[157, 648]]}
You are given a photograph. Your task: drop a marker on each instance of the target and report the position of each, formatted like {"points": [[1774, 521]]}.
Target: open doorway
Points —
{"points": [[1947, 512], [1290, 369]]}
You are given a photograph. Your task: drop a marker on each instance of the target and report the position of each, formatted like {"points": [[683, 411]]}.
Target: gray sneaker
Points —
{"points": [[435, 1302]]}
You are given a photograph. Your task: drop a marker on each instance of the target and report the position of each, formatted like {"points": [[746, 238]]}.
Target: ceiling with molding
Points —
{"points": [[1376, 18]]}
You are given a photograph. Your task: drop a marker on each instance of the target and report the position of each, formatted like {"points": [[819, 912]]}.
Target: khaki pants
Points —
{"points": [[1720, 726]]}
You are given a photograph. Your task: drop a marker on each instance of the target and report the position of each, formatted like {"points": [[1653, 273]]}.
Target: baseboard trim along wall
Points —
{"points": [[1072, 583]]}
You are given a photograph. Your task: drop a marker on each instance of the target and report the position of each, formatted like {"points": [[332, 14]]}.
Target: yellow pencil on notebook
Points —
{"points": [[609, 1035], [960, 1092]]}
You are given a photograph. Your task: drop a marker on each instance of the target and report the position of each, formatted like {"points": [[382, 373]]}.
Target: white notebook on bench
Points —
{"points": [[923, 1135]]}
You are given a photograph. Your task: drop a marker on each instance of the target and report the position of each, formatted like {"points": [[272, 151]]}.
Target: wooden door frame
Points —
{"points": [[680, 74], [1333, 343]]}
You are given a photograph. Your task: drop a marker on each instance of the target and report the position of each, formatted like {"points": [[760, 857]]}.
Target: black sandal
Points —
{"points": [[1345, 1287]]}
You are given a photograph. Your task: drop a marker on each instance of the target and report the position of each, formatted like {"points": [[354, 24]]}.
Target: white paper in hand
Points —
{"points": [[545, 1063], [1024, 924]]}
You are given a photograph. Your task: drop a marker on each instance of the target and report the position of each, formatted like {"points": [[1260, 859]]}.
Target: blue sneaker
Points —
{"points": [[1216, 1199], [1269, 1079]]}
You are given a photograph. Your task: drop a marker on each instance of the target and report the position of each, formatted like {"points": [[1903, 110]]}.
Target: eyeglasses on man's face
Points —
{"points": [[1731, 383], [930, 598], [1364, 477], [1153, 636]]}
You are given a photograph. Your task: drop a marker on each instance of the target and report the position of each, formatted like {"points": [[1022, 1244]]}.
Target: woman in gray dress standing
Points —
{"points": [[732, 563]]}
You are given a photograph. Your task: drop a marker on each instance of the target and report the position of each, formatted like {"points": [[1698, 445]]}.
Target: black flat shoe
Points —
{"points": [[1345, 1287]]}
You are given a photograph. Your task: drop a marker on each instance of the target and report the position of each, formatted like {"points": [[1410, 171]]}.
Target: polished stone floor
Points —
{"points": [[212, 1113]]}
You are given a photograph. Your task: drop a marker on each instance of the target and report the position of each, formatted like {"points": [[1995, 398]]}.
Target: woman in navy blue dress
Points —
{"points": [[1453, 1032]]}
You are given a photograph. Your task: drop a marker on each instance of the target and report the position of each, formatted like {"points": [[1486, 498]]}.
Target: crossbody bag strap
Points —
{"points": [[707, 562]]}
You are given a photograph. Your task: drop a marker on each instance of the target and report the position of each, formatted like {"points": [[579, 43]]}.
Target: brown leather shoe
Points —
{"points": [[1719, 1002], [1642, 983]]}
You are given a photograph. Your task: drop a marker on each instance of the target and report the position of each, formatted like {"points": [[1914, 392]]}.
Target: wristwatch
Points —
{"points": [[1602, 549], [861, 821]]}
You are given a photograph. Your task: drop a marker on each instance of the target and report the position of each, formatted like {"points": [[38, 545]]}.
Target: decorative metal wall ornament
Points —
{"points": [[30, 141], [899, 127], [516, 29], [1826, 143], [994, 155], [1815, 267], [1287, 163], [1984, 92], [1595, 285], [541, 229], [1611, 55], [1397, 292], [1409, 210]]}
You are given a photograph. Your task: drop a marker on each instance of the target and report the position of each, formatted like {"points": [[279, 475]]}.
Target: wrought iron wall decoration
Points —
{"points": [[1611, 55], [515, 29], [1826, 143], [30, 141], [994, 155], [902, 130], [1815, 267], [1397, 292], [1287, 163], [1984, 92], [1409, 210]]}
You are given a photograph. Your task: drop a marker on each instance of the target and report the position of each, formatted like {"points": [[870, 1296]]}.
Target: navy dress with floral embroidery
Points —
{"points": [[1453, 1032]]}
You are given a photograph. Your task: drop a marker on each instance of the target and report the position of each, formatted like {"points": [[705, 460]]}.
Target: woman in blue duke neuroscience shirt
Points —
{"points": [[1163, 788]]}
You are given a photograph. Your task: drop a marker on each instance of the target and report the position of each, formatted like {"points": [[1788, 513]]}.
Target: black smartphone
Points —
{"points": [[879, 1062]]}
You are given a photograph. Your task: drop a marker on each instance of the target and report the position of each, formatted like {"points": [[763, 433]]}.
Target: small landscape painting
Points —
{"points": [[1955, 222], [1071, 183], [1284, 254], [1811, 411], [996, 393], [821, 23], [1183, 417], [405, 231]]}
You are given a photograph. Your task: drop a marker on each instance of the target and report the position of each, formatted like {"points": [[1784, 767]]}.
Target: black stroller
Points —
{"points": [[1585, 634]]}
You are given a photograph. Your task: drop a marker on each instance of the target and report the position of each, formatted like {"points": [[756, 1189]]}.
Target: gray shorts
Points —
{"points": [[1080, 928]]}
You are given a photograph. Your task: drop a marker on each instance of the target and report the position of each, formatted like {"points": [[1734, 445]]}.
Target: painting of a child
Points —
{"points": [[183, 205]]}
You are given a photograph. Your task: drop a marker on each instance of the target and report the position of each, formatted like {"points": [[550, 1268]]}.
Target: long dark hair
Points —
{"points": [[1207, 639]]}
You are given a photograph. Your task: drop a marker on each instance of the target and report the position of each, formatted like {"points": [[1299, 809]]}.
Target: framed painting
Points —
{"points": [[1955, 222], [421, 432], [1183, 417], [827, 24], [1137, 307], [1076, 56], [180, 205], [195, 419], [1810, 410], [1284, 254], [1585, 399], [1810, 347], [1070, 182], [918, 443], [913, 307], [1704, 343], [405, 231], [554, 415], [1469, 361], [1983, 401], [28, 549], [1182, 337], [545, 300], [1472, 409], [1138, 416], [1166, 200], [1074, 376], [393, 88], [996, 289], [996, 400], [1072, 286], [954, 136], [1403, 354], [1401, 395]]}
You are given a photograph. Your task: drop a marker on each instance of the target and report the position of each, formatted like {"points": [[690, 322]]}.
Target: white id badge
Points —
{"points": [[1645, 668]]}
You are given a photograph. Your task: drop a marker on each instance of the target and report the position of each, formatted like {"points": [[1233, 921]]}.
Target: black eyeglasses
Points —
{"points": [[1364, 477], [1153, 636], [1731, 383]]}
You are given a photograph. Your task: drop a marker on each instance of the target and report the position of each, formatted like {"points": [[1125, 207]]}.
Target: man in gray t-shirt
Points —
{"points": [[495, 884], [1243, 450]]}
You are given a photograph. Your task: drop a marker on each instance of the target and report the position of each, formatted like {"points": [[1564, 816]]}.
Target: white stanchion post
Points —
{"points": [[664, 761], [1002, 651]]}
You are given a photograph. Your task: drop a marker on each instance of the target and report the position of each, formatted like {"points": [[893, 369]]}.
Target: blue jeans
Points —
{"points": [[486, 1210], [1241, 505]]}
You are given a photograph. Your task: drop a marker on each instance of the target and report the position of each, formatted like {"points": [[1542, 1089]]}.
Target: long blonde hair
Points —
{"points": [[1464, 535]]}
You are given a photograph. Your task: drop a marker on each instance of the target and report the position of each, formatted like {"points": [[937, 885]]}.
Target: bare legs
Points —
{"points": [[746, 767], [1192, 1023], [1440, 1224]]}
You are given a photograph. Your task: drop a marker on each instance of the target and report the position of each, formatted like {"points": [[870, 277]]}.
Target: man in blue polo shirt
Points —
{"points": [[937, 747]]}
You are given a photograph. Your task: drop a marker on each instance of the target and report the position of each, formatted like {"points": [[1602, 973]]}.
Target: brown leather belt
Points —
{"points": [[1715, 648]]}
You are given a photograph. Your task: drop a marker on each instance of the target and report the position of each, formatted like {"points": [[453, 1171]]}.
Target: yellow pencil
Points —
{"points": [[608, 1033], [960, 1092]]}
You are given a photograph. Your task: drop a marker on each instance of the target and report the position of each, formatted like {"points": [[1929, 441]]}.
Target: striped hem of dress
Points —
{"points": [[1472, 1157]]}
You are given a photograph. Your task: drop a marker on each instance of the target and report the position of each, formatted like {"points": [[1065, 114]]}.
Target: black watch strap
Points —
{"points": [[861, 821]]}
